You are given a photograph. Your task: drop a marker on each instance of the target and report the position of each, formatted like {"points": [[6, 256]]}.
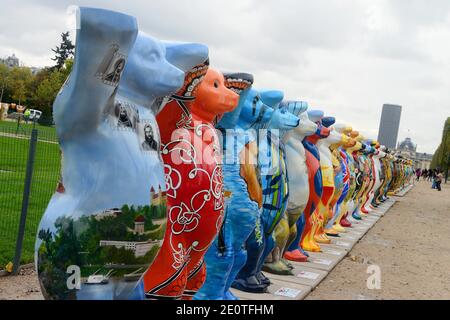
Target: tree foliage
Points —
{"points": [[37, 90], [442, 154], [64, 51]]}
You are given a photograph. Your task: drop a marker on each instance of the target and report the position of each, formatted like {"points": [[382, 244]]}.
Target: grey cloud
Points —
{"points": [[415, 13], [323, 51]]}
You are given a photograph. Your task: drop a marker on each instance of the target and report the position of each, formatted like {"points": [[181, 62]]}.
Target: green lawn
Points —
{"points": [[13, 157], [45, 132]]}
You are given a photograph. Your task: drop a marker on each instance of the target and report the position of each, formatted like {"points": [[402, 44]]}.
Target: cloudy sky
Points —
{"points": [[345, 57]]}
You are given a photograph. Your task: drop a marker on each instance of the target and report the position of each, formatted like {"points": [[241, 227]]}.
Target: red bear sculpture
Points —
{"points": [[192, 156]]}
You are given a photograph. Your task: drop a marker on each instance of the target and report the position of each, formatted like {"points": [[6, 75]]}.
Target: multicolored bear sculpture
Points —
{"points": [[306, 240], [286, 230], [342, 180], [195, 191], [272, 164]]}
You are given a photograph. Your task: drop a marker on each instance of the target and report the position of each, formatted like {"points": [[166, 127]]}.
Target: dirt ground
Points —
{"points": [[410, 244], [25, 286]]}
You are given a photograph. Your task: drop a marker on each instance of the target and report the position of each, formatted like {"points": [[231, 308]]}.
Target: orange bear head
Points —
{"points": [[213, 98]]}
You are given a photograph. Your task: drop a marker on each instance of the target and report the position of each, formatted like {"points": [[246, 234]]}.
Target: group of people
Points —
{"points": [[435, 176]]}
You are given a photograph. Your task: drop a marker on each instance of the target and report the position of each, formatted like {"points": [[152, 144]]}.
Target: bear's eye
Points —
{"points": [[216, 84]]}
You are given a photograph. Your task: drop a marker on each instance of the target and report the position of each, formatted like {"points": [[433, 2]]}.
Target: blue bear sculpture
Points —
{"points": [[227, 255], [272, 163], [112, 171]]}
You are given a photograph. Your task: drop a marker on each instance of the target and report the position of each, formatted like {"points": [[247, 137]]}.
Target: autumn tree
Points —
{"points": [[18, 81], [37, 90], [441, 158], [3, 80]]}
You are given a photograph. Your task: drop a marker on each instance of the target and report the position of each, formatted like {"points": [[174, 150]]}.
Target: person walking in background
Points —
{"points": [[431, 177], [26, 115], [438, 180], [418, 174], [425, 174]]}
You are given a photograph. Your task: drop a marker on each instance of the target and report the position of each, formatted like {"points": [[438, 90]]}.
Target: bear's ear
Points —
{"points": [[294, 107], [271, 97], [185, 56], [238, 81], [328, 121], [343, 128], [315, 115]]}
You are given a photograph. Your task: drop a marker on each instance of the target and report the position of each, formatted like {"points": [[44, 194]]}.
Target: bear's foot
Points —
{"points": [[277, 268], [230, 296], [263, 279], [250, 284], [356, 216], [345, 223], [295, 255], [287, 263]]}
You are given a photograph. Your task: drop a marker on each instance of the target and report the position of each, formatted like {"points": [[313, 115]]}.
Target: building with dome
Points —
{"points": [[408, 149], [11, 61], [407, 145]]}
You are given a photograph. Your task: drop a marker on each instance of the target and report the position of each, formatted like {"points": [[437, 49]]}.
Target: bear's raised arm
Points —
{"points": [[103, 42]]}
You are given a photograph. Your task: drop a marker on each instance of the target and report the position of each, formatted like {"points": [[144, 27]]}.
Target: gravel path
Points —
{"points": [[410, 244], [25, 286]]}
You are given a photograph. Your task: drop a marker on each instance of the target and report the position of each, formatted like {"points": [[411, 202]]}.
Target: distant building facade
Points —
{"points": [[139, 249], [139, 225], [408, 149], [11, 61], [389, 125], [157, 198]]}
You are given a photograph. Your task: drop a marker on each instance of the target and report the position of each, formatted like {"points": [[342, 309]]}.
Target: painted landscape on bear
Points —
{"points": [[112, 249]]}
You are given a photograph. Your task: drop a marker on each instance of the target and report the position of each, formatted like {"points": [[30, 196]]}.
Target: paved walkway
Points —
{"points": [[410, 244]]}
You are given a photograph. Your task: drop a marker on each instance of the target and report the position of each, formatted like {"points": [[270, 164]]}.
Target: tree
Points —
{"points": [[46, 92], [19, 93], [40, 76], [3, 80], [47, 238], [442, 155], [18, 81], [49, 87], [64, 51], [68, 65]]}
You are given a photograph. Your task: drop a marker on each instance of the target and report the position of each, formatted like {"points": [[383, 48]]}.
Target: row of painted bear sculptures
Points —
{"points": [[180, 181]]}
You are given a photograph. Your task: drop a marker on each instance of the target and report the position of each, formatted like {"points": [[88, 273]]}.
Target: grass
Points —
{"points": [[45, 132], [13, 160]]}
